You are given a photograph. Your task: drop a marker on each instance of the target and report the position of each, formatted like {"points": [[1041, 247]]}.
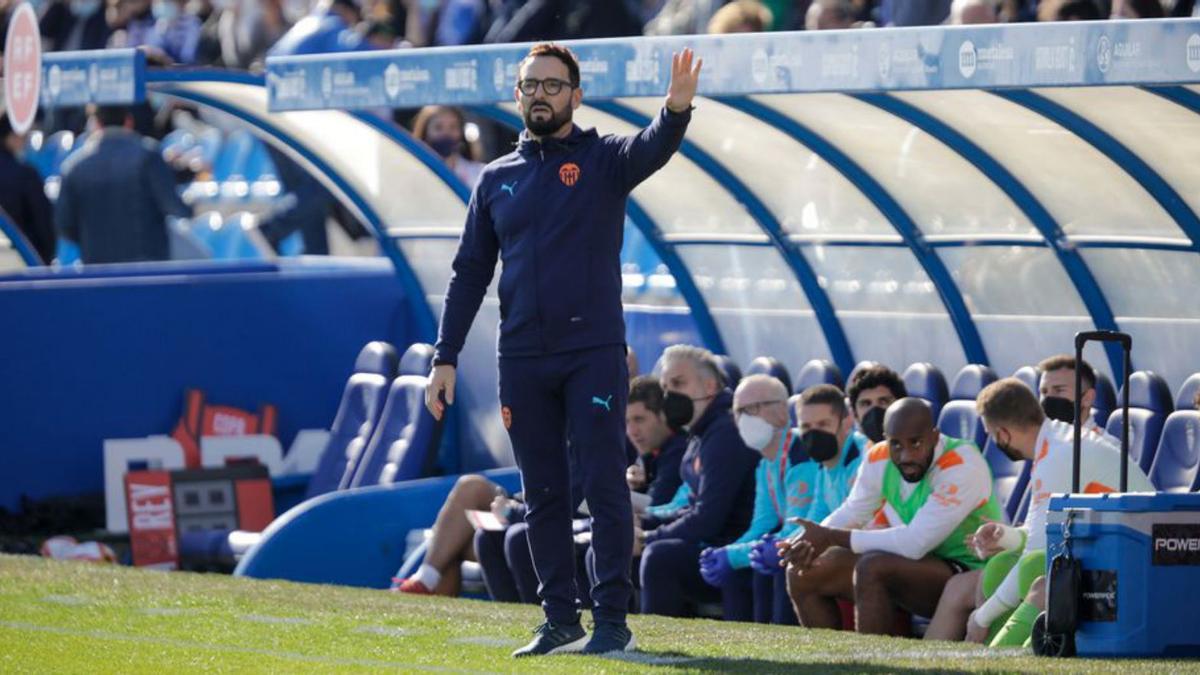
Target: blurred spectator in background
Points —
{"points": [[564, 20], [963, 12], [741, 16], [451, 22], [74, 24], [246, 29], [329, 28], [443, 128], [132, 22], [176, 30], [913, 12], [22, 196], [1068, 10], [116, 193], [1137, 9], [380, 35], [830, 15], [683, 17], [305, 207]]}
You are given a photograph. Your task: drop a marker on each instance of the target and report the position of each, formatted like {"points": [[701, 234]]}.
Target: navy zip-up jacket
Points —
{"points": [[666, 479], [553, 212], [719, 469]]}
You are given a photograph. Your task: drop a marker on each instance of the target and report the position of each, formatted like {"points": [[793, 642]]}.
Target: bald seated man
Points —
{"points": [[900, 535]]}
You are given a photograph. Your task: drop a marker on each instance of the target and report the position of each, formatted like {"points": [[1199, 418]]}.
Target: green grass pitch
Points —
{"points": [[58, 617]]}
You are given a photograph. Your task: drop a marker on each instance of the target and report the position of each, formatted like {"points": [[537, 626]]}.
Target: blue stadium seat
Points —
{"points": [[1030, 375], [417, 360], [1177, 461], [924, 380], [56, 148], [1106, 400], [231, 161], [958, 417], [1186, 398], [769, 365], [1017, 516], [818, 371], [793, 401], [1149, 405], [362, 402], [730, 370], [405, 443]]}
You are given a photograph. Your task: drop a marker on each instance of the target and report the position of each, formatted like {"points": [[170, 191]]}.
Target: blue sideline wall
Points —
{"points": [[108, 354]]}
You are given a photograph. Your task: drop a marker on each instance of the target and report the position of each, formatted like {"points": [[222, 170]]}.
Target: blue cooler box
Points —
{"points": [[1140, 554]]}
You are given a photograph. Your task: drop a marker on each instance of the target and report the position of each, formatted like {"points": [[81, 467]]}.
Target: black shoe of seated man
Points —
{"points": [[551, 638], [610, 637]]}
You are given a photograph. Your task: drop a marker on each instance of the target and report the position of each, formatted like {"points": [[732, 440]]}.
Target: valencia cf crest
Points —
{"points": [[569, 173]]}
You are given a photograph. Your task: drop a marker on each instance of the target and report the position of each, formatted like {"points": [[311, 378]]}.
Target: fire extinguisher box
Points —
{"points": [[1140, 554]]}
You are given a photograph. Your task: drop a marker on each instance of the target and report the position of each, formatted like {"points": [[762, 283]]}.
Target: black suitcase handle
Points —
{"points": [[1126, 342]]}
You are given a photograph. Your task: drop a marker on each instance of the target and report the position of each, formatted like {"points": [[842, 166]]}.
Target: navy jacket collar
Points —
{"points": [[528, 145], [720, 406]]}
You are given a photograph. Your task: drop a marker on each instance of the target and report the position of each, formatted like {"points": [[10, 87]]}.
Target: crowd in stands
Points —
{"points": [[240, 34], [845, 509]]}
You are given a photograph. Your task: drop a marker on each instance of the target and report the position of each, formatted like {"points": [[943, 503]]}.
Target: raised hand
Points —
{"points": [[684, 78]]}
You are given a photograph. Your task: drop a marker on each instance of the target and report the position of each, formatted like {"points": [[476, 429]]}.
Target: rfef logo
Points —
{"points": [[1175, 544], [569, 173], [1193, 53], [22, 67]]}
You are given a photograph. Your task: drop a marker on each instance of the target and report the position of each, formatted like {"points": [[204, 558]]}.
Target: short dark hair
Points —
{"points": [[877, 375], [110, 115], [1067, 362], [1010, 403], [825, 394], [556, 51], [645, 389]]}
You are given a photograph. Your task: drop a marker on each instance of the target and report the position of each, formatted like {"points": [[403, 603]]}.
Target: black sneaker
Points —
{"points": [[555, 639], [610, 637]]}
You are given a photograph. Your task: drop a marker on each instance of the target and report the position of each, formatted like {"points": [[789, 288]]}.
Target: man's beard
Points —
{"points": [[547, 126]]}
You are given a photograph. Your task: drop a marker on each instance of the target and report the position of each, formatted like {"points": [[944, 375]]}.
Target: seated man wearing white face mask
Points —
{"points": [[760, 411]]}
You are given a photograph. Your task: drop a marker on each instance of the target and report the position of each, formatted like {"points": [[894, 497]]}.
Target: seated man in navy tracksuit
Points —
{"points": [[719, 470], [553, 211]]}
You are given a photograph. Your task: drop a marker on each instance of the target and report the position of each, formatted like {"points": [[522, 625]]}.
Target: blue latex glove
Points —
{"points": [[764, 557], [715, 567]]}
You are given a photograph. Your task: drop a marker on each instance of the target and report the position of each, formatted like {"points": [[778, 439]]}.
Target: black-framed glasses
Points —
{"points": [[550, 85]]}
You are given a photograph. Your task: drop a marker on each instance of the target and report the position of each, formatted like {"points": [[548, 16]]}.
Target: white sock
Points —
{"points": [[428, 575]]}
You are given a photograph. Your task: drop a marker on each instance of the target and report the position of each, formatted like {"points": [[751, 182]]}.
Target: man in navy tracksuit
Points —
{"points": [[553, 212]]}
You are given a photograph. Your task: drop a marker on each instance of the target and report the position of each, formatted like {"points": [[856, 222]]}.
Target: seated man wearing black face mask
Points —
{"points": [[1057, 390], [927, 491], [871, 391], [718, 470]]}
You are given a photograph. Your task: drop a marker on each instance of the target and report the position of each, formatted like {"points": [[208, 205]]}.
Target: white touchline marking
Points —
{"points": [[167, 611], [393, 631], [73, 600], [260, 618], [209, 646], [644, 659], [486, 641]]}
